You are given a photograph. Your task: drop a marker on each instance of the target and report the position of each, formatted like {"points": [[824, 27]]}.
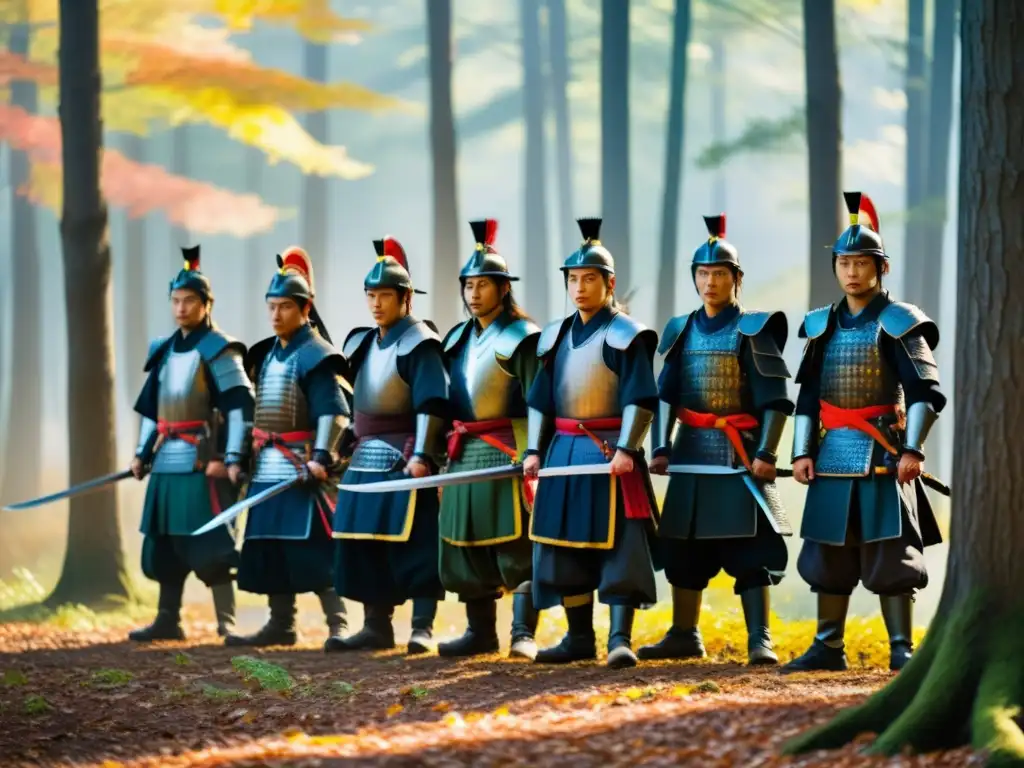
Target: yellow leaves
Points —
{"points": [[394, 709], [441, 706], [313, 19]]}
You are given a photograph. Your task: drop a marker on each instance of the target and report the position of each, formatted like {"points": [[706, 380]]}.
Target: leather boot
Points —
{"points": [[334, 614], [524, 626], [826, 652], [579, 643], [167, 624], [756, 611], [224, 606], [897, 613], [481, 633], [683, 639], [421, 640], [620, 636], [279, 629], [377, 633]]}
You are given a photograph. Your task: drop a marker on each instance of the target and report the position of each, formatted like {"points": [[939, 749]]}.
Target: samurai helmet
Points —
{"points": [[485, 260], [590, 253], [190, 278], [860, 238]]}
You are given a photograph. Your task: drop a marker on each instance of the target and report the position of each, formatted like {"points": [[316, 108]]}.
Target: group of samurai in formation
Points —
{"points": [[553, 420]]}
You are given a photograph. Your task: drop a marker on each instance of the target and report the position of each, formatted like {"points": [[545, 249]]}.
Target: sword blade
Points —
{"points": [[704, 469], [576, 469], [235, 510], [762, 502], [436, 481], [76, 490]]}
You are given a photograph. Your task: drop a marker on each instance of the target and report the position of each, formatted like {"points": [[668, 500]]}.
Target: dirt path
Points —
{"points": [[91, 699]]}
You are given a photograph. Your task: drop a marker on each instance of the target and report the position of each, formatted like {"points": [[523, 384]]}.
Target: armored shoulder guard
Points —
{"points": [[213, 344], [157, 347], [552, 335], [898, 319], [624, 330], [225, 358], [675, 329], [815, 323], [255, 356], [455, 336], [354, 340], [416, 334], [316, 352], [512, 335], [766, 332]]}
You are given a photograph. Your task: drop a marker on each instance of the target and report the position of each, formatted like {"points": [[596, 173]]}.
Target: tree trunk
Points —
{"points": [[535, 298], [94, 568], [559, 51], [315, 189], [615, 137], [718, 128], [258, 265], [136, 292], [180, 237], [824, 143], [666, 290], [967, 681], [20, 474], [442, 144], [917, 260]]}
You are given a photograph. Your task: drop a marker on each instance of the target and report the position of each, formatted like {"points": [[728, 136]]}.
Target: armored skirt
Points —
{"points": [[593, 532], [177, 504], [287, 546], [386, 549], [485, 549]]}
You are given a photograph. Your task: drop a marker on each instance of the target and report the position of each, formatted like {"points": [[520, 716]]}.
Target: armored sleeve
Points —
{"points": [[147, 403], [147, 439], [232, 385], [805, 423], [664, 425], [424, 370], [767, 374], [638, 391], [328, 409], [541, 418], [911, 356]]}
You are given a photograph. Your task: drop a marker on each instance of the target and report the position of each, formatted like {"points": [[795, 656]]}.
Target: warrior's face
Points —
{"points": [[589, 289], [189, 308], [858, 274], [482, 295], [286, 316], [716, 285], [386, 306]]}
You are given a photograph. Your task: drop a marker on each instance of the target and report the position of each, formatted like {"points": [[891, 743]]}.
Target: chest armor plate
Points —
{"points": [[479, 385], [711, 381], [280, 407], [184, 396], [378, 389], [855, 375], [585, 388]]}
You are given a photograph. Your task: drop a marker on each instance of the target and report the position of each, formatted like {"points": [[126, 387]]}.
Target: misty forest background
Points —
{"points": [[533, 112]]}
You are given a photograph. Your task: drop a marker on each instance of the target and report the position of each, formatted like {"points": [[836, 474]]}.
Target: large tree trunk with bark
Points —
{"points": [[558, 46], [535, 299], [136, 293], [966, 683], [258, 265], [615, 137], [442, 144], [917, 260], [94, 567], [315, 189], [824, 143], [20, 473], [666, 290]]}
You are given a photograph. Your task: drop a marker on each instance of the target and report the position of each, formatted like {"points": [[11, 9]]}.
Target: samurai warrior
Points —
{"points": [[869, 395], [301, 412], [485, 546], [724, 385], [194, 406], [387, 543], [591, 406]]}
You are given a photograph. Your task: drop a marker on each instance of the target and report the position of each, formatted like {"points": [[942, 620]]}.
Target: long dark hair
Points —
{"points": [[508, 301]]}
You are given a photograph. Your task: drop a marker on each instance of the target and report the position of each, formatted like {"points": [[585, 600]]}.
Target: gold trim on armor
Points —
{"points": [[400, 537], [517, 531], [604, 545]]}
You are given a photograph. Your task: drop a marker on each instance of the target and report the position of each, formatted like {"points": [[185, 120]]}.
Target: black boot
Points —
{"points": [[377, 633], [167, 624], [481, 633], [579, 643], [224, 606], [524, 626], [620, 637], [756, 610], [683, 640], [424, 611], [897, 613], [279, 629], [826, 652], [334, 613]]}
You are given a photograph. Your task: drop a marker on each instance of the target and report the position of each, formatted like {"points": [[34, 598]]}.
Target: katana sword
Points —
{"points": [[576, 469], [436, 481], [715, 469], [88, 486], [235, 510]]}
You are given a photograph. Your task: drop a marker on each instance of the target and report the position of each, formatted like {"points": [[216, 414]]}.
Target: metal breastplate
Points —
{"points": [[479, 382], [855, 375], [585, 388], [711, 381], [184, 396], [378, 389], [280, 407]]}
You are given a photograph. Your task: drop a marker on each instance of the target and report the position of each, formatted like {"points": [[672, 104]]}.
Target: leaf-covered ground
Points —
{"points": [[71, 691]]}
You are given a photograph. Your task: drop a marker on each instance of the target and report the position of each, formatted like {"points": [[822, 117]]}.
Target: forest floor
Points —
{"points": [[72, 691]]}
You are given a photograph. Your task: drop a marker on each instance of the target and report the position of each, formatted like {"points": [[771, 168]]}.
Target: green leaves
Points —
{"points": [[760, 136]]}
